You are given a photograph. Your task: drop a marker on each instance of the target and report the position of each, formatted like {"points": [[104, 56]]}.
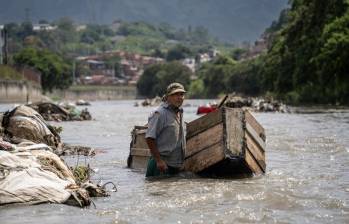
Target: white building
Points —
{"points": [[190, 63], [80, 27], [44, 26]]}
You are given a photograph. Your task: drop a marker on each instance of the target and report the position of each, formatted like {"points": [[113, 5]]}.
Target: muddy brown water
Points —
{"points": [[307, 179]]}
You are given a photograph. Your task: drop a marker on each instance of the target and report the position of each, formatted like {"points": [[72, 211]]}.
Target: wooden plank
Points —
{"points": [[140, 152], [249, 118], [139, 162], [234, 131], [256, 152], [203, 123], [255, 136], [139, 141], [204, 139], [141, 131], [138, 127], [253, 165], [205, 158]]}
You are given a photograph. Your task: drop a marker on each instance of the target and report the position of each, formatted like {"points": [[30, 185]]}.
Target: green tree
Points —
{"points": [[237, 53], [138, 29], [26, 29], [197, 89], [245, 78], [296, 66], [90, 37], [167, 30], [114, 64], [7, 72], [178, 52], [55, 71], [157, 53], [215, 74], [66, 24], [200, 35], [66, 31], [12, 29], [157, 77], [332, 61]]}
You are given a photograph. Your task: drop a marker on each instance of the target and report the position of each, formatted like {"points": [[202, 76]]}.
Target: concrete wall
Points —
{"points": [[19, 92], [92, 93]]}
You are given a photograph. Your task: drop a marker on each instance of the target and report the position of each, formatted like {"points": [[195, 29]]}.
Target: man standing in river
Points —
{"points": [[165, 135]]}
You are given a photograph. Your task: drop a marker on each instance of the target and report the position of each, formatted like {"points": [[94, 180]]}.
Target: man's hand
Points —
{"points": [[162, 166]]}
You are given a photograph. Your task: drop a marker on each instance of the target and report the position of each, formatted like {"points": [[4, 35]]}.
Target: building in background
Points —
{"points": [[130, 68]]}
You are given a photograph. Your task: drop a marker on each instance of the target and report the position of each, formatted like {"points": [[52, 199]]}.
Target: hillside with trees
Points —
{"points": [[53, 50], [69, 39], [306, 60], [228, 20], [303, 59]]}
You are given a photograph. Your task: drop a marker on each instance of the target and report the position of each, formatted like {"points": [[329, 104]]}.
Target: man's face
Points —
{"points": [[176, 99]]}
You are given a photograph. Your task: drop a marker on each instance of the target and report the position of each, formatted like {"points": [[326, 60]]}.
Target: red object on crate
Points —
{"points": [[206, 109]]}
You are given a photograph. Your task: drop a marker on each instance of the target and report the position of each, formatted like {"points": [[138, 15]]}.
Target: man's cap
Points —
{"points": [[175, 88]]}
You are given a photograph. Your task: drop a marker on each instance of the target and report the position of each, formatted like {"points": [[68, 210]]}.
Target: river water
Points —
{"points": [[307, 178]]}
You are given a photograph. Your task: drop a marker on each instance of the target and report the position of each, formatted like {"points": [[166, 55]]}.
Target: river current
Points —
{"points": [[307, 178]]}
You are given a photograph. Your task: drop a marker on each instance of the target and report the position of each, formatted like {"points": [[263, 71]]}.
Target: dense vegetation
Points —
{"points": [[49, 50], [306, 59], [55, 72], [138, 37], [229, 20], [307, 62], [7, 72], [155, 78], [221, 76]]}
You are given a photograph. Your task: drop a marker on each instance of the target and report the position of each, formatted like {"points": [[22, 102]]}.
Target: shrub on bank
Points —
{"points": [[7, 72]]}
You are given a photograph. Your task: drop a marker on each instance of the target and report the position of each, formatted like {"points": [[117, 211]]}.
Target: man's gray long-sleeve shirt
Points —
{"points": [[169, 133]]}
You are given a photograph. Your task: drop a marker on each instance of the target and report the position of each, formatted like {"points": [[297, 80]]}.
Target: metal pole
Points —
{"points": [[5, 48], [1, 45], [74, 67]]}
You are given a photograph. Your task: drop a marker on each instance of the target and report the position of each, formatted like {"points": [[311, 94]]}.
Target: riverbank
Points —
{"points": [[20, 91], [95, 92], [32, 170]]}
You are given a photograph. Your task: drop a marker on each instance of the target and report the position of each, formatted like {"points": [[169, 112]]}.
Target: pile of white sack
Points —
{"points": [[30, 170]]}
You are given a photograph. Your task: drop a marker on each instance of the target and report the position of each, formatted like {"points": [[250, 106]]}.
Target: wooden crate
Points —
{"points": [[139, 151], [225, 142]]}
